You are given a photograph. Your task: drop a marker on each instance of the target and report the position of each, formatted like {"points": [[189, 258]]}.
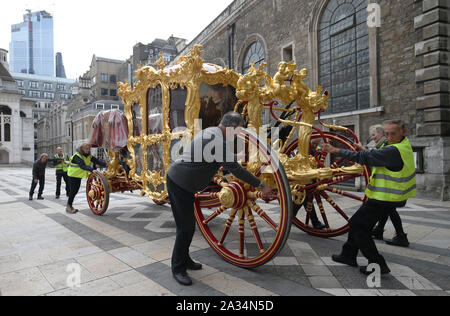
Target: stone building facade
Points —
{"points": [[104, 75], [52, 131], [67, 124], [380, 60], [46, 92], [148, 55], [16, 122]]}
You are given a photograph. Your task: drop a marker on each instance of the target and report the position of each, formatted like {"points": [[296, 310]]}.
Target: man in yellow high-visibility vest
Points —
{"points": [[392, 183], [79, 169], [62, 166]]}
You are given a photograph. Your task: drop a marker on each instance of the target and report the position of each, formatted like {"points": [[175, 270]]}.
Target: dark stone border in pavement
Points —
{"points": [[262, 277], [134, 228], [162, 274], [97, 239], [436, 225]]}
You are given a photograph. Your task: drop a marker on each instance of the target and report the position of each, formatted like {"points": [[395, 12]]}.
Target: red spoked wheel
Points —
{"points": [[97, 192], [327, 200], [238, 224]]}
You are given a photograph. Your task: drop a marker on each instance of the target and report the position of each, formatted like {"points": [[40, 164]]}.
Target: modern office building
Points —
{"points": [[31, 48], [60, 70]]}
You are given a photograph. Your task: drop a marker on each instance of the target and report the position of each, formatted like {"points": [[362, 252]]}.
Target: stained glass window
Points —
{"points": [[344, 55], [255, 54]]}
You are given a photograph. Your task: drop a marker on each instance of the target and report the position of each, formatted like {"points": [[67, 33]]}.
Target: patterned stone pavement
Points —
{"points": [[127, 252]]}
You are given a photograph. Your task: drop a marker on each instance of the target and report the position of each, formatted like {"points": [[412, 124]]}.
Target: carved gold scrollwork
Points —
{"points": [[253, 90]]}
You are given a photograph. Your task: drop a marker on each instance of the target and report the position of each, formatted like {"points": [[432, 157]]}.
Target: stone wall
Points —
{"points": [[409, 66], [432, 52]]}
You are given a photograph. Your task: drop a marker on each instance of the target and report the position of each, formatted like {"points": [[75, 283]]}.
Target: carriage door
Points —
{"points": [[155, 153]]}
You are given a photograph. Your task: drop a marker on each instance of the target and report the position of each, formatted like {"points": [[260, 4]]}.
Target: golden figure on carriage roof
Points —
{"points": [[167, 107]]}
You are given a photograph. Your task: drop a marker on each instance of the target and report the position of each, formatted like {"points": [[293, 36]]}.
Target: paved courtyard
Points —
{"points": [[128, 250]]}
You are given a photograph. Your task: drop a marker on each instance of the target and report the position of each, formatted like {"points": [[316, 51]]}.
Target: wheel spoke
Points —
{"points": [[214, 195], [218, 212], [254, 228], [322, 210], [309, 207], [227, 226], [337, 163], [241, 232], [262, 214], [333, 204], [343, 193]]}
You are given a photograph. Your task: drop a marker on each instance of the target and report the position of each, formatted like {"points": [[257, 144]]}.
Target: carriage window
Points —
{"points": [[155, 117], [177, 107], [137, 128], [344, 55], [255, 54], [215, 102], [137, 120]]}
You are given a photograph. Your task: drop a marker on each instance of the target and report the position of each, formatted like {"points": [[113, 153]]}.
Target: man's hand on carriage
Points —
{"points": [[330, 149], [360, 147], [266, 191]]}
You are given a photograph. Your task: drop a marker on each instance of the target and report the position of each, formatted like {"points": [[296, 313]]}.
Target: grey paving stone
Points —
{"points": [[99, 240], [324, 282], [134, 228], [262, 276], [162, 274], [430, 293], [351, 278]]}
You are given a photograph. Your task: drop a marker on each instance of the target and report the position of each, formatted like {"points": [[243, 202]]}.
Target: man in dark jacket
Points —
{"points": [[392, 183], [192, 173], [39, 176]]}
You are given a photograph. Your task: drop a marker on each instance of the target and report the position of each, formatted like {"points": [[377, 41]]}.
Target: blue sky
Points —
{"points": [[108, 28]]}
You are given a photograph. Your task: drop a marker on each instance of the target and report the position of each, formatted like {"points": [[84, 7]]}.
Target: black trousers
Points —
{"points": [[74, 187], [41, 186], [59, 177], [396, 221], [361, 225], [182, 203]]}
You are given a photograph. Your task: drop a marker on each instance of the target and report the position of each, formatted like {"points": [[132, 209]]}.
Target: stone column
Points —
{"points": [[433, 100]]}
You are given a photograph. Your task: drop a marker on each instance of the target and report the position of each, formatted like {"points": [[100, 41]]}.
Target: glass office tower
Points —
{"points": [[31, 48]]}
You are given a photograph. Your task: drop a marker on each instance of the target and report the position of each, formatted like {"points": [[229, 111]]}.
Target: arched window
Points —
{"points": [[343, 36], [5, 110], [7, 127], [255, 54]]}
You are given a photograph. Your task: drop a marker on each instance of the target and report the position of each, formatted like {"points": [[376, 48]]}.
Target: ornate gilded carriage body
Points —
{"points": [[167, 107]]}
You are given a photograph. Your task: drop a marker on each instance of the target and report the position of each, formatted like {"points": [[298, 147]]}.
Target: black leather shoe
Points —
{"points": [[40, 197], [194, 266], [57, 197], [384, 270], [30, 198], [344, 260], [182, 278], [399, 241], [319, 226]]}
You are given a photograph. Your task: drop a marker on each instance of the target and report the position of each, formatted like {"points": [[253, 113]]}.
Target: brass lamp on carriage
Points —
{"points": [[168, 106]]}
